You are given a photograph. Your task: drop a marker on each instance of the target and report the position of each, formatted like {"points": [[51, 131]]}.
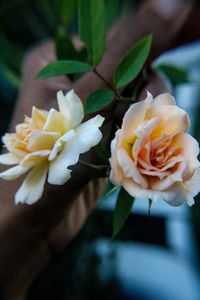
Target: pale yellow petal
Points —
{"points": [[39, 117], [34, 158], [42, 140], [32, 188], [70, 135], [14, 172], [71, 107], [58, 169], [88, 134], [54, 122], [9, 159]]}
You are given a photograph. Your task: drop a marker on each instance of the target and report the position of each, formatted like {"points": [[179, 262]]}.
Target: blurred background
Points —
{"points": [[153, 257]]}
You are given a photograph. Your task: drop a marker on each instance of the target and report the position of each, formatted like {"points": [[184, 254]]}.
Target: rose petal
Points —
{"points": [[58, 169], [175, 176], [142, 132], [173, 196], [116, 174], [129, 168], [172, 119], [13, 173], [70, 135], [9, 159], [38, 118], [192, 187], [164, 99], [70, 106], [88, 134], [134, 116], [159, 174], [189, 149], [34, 158], [32, 188], [14, 145], [54, 122], [42, 140]]}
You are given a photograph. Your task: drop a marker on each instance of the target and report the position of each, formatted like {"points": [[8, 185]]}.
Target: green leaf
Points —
{"points": [[63, 45], [132, 63], [109, 186], [91, 25], [83, 54], [149, 209], [10, 75], [98, 100], [63, 67], [122, 210], [175, 74], [115, 188], [67, 9], [112, 8], [102, 152]]}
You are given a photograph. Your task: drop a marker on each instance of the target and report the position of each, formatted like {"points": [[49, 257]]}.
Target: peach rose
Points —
{"points": [[152, 156], [49, 142]]}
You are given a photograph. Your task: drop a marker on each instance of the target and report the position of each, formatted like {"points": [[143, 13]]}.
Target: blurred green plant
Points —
{"points": [[175, 74]]}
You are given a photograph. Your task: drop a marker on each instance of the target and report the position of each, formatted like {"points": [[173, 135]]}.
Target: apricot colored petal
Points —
{"points": [[189, 149], [14, 145], [173, 196], [172, 119], [191, 187], [175, 176], [164, 99], [129, 168], [116, 174], [134, 117], [142, 132]]}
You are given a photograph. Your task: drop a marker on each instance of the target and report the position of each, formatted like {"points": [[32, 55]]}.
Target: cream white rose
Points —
{"points": [[49, 142], [152, 156]]}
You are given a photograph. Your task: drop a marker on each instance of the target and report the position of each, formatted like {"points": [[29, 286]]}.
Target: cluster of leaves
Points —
{"points": [[91, 20]]}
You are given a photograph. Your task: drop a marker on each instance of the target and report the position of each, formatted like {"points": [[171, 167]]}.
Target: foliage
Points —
{"points": [[63, 67], [98, 100], [122, 210], [132, 63], [175, 74]]}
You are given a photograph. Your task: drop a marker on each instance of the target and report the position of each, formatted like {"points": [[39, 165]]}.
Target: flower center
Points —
{"points": [[157, 157]]}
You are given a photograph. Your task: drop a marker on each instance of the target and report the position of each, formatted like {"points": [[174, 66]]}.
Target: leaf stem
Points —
{"points": [[118, 96], [97, 167]]}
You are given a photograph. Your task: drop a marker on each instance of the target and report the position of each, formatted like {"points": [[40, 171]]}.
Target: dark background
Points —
{"points": [[89, 267]]}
